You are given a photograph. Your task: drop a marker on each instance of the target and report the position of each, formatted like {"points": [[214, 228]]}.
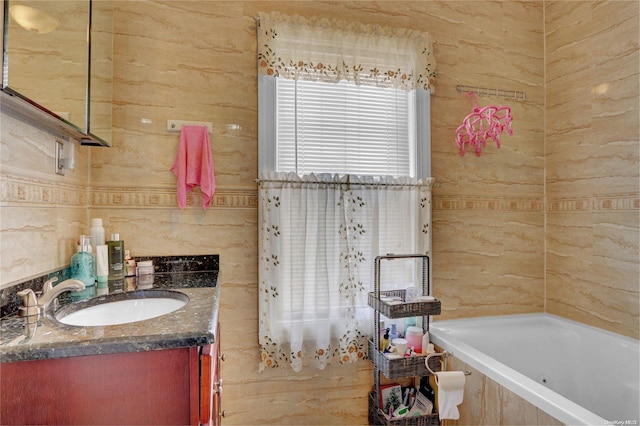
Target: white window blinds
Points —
{"points": [[344, 128]]}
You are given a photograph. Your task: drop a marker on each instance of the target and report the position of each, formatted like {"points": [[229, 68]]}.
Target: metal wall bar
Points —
{"points": [[486, 91]]}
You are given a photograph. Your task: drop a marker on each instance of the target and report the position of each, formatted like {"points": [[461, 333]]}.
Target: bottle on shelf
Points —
{"points": [[393, 334], [414, 337], [425, 343], [384, 342]]}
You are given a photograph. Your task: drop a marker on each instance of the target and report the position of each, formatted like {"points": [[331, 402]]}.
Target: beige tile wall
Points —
{"points": [[592, 163], [196, 61], [41, 214]]}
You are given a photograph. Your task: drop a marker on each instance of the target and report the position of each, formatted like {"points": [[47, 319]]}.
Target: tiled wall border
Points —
{"points": [[22, 190], [166, 198], [619, 202], [40, 192], [488, 204], [610, 202]]}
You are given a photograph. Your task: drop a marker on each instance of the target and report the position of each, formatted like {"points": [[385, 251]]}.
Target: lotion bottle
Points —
{"points": [[102, 263], [83, 263], [116, 257]]}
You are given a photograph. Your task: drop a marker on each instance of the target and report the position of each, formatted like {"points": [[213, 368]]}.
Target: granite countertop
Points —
{"points": [[192, 325]]}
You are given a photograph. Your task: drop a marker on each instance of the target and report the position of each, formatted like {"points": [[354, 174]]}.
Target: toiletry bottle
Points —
{"points": [[116, 257], [412, 397], [102, 263], [130, 264], [97, 234], [405, 401], [384, 342], [425, 343], [414, 338], [83, 263], [393, 333]]}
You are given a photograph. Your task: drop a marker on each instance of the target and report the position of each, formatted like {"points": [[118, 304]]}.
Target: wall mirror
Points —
{"points": [[47, 67], [101, 71]]}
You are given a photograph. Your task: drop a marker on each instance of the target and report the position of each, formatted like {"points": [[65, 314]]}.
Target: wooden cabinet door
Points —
{"points": [[210, 383], [145, 388]]}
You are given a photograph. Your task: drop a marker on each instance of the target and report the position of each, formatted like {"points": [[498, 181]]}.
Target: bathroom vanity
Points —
{"points": [[163, 370]]}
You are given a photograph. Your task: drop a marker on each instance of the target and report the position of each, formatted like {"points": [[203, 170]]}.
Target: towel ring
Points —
{"points": [[444, 355]]}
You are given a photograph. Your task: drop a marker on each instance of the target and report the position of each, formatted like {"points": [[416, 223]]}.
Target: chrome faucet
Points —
{"points": [[33, 307]]}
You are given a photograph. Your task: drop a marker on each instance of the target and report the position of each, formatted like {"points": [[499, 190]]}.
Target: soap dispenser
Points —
{"points": [[83, 267]]}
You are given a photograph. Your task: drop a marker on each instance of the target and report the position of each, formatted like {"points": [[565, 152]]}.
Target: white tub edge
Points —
{"points": [[547, 400]]}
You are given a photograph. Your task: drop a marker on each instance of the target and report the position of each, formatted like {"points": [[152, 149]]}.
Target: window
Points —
{"points": [[322, 127], [343, 128]]}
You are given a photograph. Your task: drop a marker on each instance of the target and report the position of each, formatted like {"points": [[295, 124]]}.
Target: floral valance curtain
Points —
{"points": [[298, 48]]}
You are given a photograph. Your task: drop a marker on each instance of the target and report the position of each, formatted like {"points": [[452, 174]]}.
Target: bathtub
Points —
{"points": [[575, 373]]}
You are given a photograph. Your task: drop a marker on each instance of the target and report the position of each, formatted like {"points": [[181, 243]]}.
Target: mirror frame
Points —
{"points": [[15, 102]]}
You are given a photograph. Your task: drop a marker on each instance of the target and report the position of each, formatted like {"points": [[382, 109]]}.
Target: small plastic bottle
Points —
{"points": [[384, 342], [130, 264], [97, 234], [425, 343], [83, 267], [393, 333]]}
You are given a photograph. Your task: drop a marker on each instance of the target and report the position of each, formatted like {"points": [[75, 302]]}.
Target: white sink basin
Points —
{"points": [[122, 308]]}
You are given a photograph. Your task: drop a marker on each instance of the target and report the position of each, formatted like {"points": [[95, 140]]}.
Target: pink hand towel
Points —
{"points": [[194, 165]]}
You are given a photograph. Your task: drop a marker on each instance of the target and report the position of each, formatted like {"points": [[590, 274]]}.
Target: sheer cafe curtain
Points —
{"points": [[319, 234]]}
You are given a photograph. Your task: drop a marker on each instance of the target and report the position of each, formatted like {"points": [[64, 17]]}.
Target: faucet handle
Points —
{"points": [[27, 297], [29, 303], [48, 285]]}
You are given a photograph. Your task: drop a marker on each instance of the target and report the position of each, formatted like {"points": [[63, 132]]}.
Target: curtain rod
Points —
{"points": [[424, 184]]}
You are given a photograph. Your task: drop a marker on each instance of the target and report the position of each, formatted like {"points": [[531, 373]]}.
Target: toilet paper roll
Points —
{"points": [[450, 393], [450, 380]]}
